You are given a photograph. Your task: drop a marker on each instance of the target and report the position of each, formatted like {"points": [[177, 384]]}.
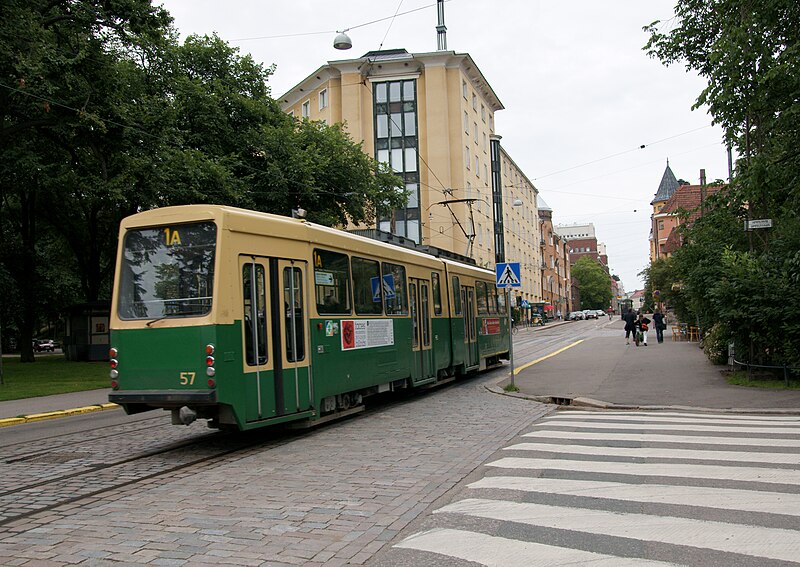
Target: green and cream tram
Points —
{"points": [[249, 319]]}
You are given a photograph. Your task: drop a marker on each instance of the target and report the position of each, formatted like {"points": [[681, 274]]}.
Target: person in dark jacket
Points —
{"points": [[630, 325], [660, 324]]}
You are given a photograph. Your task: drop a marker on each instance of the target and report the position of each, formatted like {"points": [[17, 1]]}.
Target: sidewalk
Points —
{"points": [[49, 407], [603, 370]]}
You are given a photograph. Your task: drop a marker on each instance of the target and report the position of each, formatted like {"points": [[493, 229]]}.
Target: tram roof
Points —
{"points": [[253, 222]]}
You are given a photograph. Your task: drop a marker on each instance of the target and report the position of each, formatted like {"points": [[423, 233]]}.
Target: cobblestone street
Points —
{"points": [[334, 496]]}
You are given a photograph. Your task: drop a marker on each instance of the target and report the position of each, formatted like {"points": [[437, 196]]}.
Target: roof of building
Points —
{"points": [[687, 198], [541, 204], [667, 186]]}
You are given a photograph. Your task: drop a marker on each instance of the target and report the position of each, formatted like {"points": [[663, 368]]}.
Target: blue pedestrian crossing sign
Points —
{"points": [[508, 275], [376, 289], [388, 286]]}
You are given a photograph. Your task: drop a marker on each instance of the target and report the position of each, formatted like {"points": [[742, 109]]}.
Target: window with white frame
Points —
{"points": [[305, 109], [483, 113], [464, 91], [323, 99], [466, 156], [466, 122], [474, 101]]}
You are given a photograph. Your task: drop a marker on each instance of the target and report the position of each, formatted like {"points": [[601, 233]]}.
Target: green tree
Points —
{"points": [[593, 282], [745, 283]]}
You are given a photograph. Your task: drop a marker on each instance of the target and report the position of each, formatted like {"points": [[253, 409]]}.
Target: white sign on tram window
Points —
{"points": [[323, 278]]}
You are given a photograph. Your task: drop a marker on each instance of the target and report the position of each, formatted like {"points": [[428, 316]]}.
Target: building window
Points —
{"points": [[483, 113], [464, 89], [305, 110], [466, 156], [477, 167], [474, 101], [661, 225], [475, 131], [466, 123], [323, 99], [396, 143], [491, 122]]}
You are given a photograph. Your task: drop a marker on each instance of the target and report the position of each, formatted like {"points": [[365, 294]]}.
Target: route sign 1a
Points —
{"points": [[508, 275]]}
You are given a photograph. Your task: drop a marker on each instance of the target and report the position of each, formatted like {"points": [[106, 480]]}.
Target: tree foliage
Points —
{"points": [[104, 113], [746, 283], [593, 282]]}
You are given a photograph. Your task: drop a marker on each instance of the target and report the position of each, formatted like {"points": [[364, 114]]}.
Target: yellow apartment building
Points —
{"points": [[430, 116]]}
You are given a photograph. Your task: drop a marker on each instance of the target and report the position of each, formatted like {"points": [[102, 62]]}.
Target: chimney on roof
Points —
{"points": [[702, 192]]}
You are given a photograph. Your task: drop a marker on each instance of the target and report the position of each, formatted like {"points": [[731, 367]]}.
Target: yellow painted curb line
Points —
{"points": [[54, 414], [559, 351]]}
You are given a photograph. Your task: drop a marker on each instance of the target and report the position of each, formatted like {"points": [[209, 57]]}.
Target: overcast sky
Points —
{"points": [[580, 95]]}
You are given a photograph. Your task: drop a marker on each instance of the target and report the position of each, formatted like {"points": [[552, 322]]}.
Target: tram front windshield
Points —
{"points": [[167, 271]]}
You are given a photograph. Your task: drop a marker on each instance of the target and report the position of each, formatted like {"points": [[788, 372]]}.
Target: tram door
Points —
{"points": [[470, 323], [277, 380], [419, 294]]}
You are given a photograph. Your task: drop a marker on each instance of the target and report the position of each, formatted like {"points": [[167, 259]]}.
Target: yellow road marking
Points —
{"points": [[559, 351]]}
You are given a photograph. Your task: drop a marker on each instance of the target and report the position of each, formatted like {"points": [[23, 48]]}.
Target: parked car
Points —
{"points": [[576, 316], [44, 345], [600, 313], [590, 314]]}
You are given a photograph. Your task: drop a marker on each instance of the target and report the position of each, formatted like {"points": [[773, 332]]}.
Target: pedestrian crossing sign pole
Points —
{"points": [[507, 275]]}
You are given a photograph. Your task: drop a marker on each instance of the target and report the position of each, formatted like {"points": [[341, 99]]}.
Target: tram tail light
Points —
{"points": [[210, 370], [113, 363]]}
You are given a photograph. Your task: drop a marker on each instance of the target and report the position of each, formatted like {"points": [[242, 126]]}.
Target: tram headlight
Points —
{"points": [[210, 349], [211, 371], [112, 352], [114, 374]]}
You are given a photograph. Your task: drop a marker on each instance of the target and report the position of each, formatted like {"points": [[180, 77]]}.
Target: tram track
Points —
{"points": [[92, 478], [76, 471]]}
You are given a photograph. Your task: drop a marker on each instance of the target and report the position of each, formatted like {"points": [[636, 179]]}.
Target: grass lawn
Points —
{"points": [[765, 381], [50, 374]]}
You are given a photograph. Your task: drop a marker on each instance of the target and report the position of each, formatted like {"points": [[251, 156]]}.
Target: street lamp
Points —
{"points": [[342, 41]]}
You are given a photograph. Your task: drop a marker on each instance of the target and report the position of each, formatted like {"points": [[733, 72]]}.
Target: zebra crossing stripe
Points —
{"points": [[656, 438], [720, 498], [689, 426], [660, 453], [704, 419], [691, 471], [496, 551], [772, 543], [738, 418]]}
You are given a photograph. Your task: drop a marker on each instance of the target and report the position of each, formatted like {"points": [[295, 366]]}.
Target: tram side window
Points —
{"points": [[293, 296], [367, 287], [437, 293], [501, 303], [332, 282], [456, 296], [492, 297], [482, 298], [255, 317], [394, 289]]}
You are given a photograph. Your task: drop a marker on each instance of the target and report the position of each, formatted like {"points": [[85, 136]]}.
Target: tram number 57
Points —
{"points": [[187, 378]]}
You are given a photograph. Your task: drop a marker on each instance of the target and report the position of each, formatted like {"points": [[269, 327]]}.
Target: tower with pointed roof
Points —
{"points": [[669, 183]]}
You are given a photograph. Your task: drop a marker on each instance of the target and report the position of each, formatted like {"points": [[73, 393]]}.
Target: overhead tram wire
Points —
{"points": [[640, 147], [396, 14]]}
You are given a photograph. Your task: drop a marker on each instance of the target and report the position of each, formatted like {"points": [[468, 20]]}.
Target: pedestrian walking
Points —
{"points": [[641, 324], [630, 325], [660, 323]]}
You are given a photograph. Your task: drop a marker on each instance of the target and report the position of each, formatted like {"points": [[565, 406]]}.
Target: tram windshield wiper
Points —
{"points": [[156, 320]]}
